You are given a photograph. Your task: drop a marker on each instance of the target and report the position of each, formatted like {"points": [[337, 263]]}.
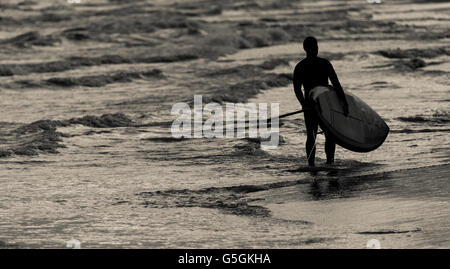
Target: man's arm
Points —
{"points": [[337, 87], [298, 86]]}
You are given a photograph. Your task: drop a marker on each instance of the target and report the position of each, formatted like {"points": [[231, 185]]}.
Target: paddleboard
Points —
{"points": [[362, 130]]}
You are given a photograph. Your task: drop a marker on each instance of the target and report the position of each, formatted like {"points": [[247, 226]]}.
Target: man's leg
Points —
{"points": [[312, 124], [330, 148]]}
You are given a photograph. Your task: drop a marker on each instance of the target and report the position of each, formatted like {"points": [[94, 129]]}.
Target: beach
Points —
{"points": [[87, 153]]}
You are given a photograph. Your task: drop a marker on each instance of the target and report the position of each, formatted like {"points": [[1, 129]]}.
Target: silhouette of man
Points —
{"points": [[311, 72]]}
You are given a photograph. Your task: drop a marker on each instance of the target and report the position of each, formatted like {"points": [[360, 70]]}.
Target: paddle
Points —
{"points": [[270, 120], [280, 116], [290, 113]]}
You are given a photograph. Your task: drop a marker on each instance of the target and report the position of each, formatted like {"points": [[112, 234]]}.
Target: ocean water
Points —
{"points": [[123, 181]]}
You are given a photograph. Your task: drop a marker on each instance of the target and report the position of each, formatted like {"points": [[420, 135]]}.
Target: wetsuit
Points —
{"points": [[311, 72]]}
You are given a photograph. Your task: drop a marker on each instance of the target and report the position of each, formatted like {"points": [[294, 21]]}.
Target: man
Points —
{"points": [[311, 72]]}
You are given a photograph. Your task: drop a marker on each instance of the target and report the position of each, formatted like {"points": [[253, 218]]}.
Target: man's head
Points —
{"points": [[310, 46]]}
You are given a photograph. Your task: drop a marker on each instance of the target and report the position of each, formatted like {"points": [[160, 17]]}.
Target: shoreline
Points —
{"points": [[393, 207]]}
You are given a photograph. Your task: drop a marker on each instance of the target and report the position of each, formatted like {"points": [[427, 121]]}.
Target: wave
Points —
{"points": [[413, 53], [89, 81], [236, 199], [387, 231], [231, 200], [242, 91], [164, 139], [413, 131], [33, 38], [438, 117], [78, 61], [42, 136], [249, 70]]}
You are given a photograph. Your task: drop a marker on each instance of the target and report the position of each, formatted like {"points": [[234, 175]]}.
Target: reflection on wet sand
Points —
{"points": [[402, 209]]}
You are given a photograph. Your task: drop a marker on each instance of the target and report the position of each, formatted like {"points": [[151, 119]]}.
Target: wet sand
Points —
{"points": [[86, 150], [401, 209]]}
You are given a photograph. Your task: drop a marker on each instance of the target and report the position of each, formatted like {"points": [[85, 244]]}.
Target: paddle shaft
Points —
{"points": [[290, 113], [269, 120], [279, 117]]}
